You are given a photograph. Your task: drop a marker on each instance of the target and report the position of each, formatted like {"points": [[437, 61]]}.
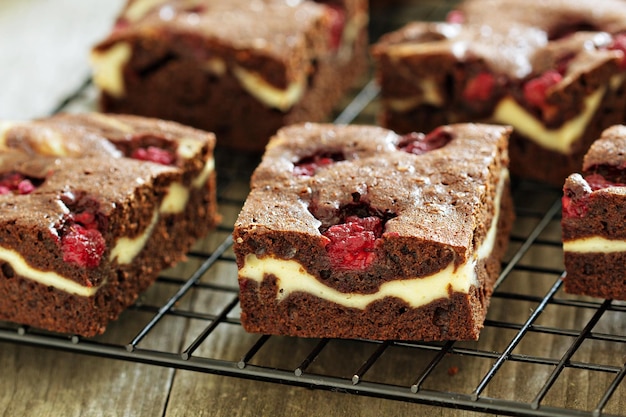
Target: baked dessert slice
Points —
{"points": [[238, 68], [92, 208], [357, 232], [594, 203], [552, 70]]}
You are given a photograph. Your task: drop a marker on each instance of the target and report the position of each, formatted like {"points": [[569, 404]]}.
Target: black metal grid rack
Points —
{"points": [[538, 342]]}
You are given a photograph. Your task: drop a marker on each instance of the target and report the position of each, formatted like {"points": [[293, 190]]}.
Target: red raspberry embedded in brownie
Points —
{"points": [[418, 143], [597, 182], [309, 165], [573, 208], [25, 187], [352, 244], [455, 16], [79, 233], [619, 44], [609, 176], [14, 182], [535, 90], [337, 18], [83, 246], [479, 88], [154, 154], [121, 24], [86, 219]]}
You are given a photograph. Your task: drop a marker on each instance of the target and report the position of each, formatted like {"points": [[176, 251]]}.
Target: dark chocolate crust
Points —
{"points": [[515, 41], [443, 204], [596, 274], [167, 75], [89, 169]]}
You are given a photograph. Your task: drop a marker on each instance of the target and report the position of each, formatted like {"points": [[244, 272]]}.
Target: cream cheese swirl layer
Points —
{"points": [[594, 244], [47, 278], [108, 68], [124, 251], [509, 112], [419, 291]]}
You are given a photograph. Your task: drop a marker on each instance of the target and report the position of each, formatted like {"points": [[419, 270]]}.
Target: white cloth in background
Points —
{"points": [[44, 51]]}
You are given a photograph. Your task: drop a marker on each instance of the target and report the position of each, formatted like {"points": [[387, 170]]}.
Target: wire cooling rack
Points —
{"points": [[542, 352]]}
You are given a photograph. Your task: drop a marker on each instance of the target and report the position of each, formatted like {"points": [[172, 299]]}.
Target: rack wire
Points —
{"points": [[542, 344]]}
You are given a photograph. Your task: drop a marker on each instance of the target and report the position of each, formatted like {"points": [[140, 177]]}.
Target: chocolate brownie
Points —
{"points": [[593, 222], [238, 68], [357, 232], [92, 208], [552, 70]]}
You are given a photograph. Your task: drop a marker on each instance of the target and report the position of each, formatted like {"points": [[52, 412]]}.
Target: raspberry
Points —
{"points": [[25, 187], [154, 154], [352, 244], [455, 16], [608, 176], [619, 44], [86, 219], [82, 246], [337, 23], [309, 166], [14, 182], [418, 143], [479, 88], [121, 23], [535, 90], [11, 180], [597, 182], [572, 208]]}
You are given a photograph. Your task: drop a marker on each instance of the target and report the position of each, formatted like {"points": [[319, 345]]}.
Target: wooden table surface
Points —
{"points": [[44, 46]]}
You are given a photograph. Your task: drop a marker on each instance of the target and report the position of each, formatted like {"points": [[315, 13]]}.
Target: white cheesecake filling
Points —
{"points": [[508, 111], [594, 244], [188, 148], [416, 291], [256, 86], [419, 291], [107, 68], [113, 122], [124, 251], [139, 8], [215, 66], [5, 126], [409, 49], [430, 95], [202, 178], [47, 278], [127, 248], [108, 76], [350, 34], [47, 141], [175, 200]]}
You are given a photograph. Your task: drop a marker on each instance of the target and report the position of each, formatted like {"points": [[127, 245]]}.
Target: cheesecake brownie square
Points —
{"points": [[238, 68], [92, 208], [593, 222], [552, 70], [357, 232]]}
